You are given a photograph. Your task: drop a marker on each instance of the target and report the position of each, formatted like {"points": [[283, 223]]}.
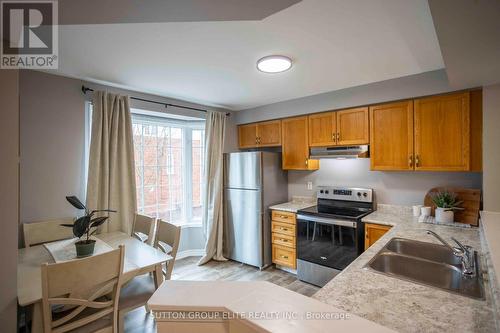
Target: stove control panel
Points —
{"points": [[345, 193]]}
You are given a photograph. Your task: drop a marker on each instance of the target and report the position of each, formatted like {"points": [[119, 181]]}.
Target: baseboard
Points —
{"points": [[190, 253]]}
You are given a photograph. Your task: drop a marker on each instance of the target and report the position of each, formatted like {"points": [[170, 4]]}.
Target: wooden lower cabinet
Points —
{"points": [[373, 232], [284, 256], [283, 238]]}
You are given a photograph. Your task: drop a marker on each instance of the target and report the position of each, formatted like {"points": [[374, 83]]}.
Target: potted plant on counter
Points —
{"points": [[86, 225], [446, 203]]}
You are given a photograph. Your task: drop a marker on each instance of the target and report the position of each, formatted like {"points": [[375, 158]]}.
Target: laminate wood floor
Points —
{"points": [[139, 321]]}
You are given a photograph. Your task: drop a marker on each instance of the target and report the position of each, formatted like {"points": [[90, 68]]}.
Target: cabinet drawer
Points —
{"points": [[281, 216], [284, 240], [283, 228], [284, 256]]}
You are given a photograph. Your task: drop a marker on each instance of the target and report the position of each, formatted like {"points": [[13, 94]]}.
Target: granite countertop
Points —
{"points": [[295, 205], [405, 306]]}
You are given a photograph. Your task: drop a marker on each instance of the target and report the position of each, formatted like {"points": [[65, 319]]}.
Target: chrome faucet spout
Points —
{"points": [[464, 252], [445, 243]]}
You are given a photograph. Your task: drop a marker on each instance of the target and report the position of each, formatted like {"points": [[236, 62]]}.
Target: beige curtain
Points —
{"points": [[111, 177], [213, 187]]}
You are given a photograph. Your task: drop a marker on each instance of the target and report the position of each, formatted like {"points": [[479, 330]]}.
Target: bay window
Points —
{"points": [[169, 157]]}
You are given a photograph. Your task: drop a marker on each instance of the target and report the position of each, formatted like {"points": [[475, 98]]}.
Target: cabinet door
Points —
{"points": [[322, 129], [247, 135], [352, 127], [295, 151], [442, 133], [373, 232], [391, 136], [269, 133]]}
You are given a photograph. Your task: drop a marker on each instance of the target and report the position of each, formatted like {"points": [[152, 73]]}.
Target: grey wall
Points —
{"points": [[391, 187], [424, 84], [491, 149], [52, 143], [9, 203], [398, 188]]}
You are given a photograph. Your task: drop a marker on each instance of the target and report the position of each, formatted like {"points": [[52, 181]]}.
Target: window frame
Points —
{"points": [[187, 153]]}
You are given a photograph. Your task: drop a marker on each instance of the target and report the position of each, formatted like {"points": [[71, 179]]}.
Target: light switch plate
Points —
{"points": [[309, 185]]}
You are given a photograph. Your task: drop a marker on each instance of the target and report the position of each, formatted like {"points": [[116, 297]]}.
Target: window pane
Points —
{"points": [[198, 149], [161, 171]]}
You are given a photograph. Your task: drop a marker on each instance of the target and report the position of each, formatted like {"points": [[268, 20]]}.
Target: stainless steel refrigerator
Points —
{"points": [[253, 181]]}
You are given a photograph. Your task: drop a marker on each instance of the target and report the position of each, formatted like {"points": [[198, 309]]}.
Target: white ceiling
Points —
{"points": [[335, 44]]}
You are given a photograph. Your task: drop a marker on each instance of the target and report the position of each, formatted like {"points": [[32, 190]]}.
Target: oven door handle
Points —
{"points": [[343, 223]]}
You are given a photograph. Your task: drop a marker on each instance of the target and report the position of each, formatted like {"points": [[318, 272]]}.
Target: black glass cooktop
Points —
{"points": [[329, 211]]}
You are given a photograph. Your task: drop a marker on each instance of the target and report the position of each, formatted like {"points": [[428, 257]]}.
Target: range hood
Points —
{"points": [[339, 152]]}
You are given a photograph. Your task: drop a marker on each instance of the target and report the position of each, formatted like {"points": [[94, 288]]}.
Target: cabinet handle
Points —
{"points": [[284, 229], [256, 140], [333, 137], [284, 257], [410, 160], [417, 160], [307, 162], [338, 137], [283, 216], [284, 240]]}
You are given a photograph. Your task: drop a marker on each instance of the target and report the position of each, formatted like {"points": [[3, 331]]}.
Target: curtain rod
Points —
{"points": [[85, 89]]}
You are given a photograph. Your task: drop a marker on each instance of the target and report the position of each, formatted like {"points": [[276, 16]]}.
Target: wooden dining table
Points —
{"points": [[140, 258]]}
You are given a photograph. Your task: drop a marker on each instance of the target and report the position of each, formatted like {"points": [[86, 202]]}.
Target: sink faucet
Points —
{"points": [[464, 252]]}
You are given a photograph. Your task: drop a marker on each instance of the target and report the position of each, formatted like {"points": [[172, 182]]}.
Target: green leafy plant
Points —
{"points": [[446, 200], [84, 225]]}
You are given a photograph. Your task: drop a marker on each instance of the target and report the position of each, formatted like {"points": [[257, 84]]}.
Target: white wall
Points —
{"points": [[491, 148], [52, 125], [398, 188]]}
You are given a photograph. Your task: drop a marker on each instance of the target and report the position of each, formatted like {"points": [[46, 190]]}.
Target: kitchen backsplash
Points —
{"points": [[395, 188]]}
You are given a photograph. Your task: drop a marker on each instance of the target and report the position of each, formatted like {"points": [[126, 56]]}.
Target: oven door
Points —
{"points": [[326, 241]]}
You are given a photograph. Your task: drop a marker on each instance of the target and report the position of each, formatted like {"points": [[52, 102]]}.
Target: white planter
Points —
{"points": [[443, 216]]}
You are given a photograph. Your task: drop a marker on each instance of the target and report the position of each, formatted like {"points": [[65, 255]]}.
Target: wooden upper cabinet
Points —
{"points": [[295, 147], [264, 134], [322, 129], [352, 126], [269, 133], [442, 133], [247, 135], [339, 128], [391, 136]]}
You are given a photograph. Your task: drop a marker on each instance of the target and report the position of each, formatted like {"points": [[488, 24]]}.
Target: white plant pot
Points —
{"points": [[443, 216]]}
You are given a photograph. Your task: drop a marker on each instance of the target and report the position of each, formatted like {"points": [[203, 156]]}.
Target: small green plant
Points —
{"points": [[84, 225], [446, 200]]}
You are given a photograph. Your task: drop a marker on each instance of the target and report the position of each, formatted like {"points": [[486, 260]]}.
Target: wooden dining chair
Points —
{"points": [[168, 237], [46, 231], [99, 278], [144, 228], [139, 290]]}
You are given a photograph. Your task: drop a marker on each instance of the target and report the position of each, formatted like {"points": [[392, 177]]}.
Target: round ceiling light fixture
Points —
{"points": [[274, 64]]}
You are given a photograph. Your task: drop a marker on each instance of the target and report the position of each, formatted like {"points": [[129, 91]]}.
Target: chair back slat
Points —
{"points": [[145, 225], [46, 231], [169, 234], [80, 284]]}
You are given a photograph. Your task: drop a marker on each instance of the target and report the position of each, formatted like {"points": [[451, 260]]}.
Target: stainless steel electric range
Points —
{"points": [[331, 235]]}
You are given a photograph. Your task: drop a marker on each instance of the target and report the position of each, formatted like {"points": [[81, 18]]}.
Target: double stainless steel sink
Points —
{"points": [[428, 264]]}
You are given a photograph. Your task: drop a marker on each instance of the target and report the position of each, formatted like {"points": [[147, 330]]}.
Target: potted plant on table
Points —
{"points": [[446, 203], [86, 225]]}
